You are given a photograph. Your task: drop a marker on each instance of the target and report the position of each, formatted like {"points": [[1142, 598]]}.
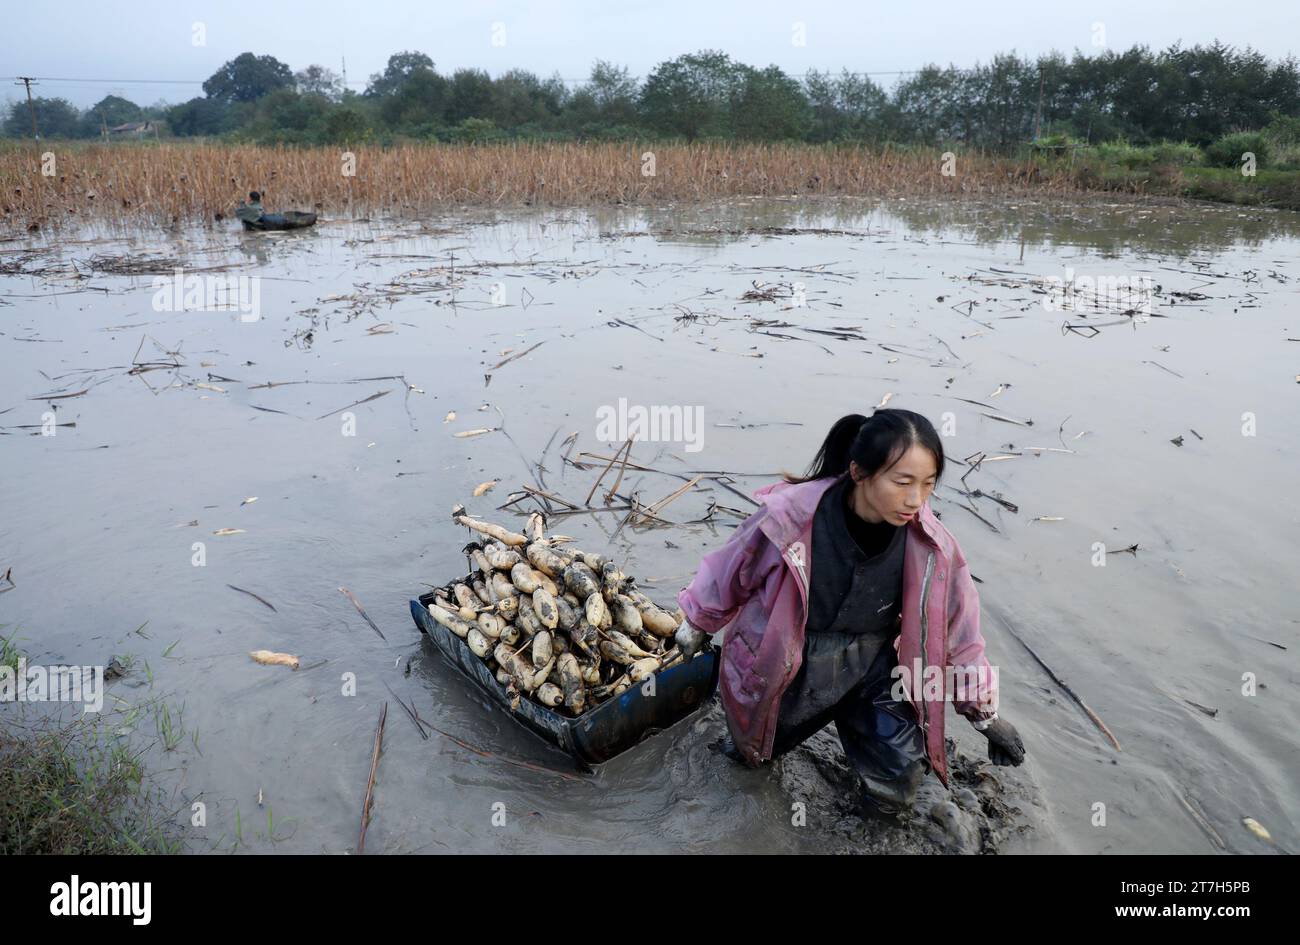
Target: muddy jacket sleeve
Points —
{"points": [[975, 682], [729, 576]]}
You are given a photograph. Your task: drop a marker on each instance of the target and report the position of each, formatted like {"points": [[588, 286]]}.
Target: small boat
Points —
{"points": [[289, 220], [603, 731]]}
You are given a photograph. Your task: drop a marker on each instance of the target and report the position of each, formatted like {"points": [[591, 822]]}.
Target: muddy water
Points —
{"points": [[932, 304]]}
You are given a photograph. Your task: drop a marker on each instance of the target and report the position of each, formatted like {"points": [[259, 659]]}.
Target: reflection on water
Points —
{"points": [[1104, 224]]}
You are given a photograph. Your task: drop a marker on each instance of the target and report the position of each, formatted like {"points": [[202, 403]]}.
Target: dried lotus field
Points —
{"points": [[182, 183]]}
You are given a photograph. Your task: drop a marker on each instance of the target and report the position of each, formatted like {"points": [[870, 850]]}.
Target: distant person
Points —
{"points": [[252, 214]]}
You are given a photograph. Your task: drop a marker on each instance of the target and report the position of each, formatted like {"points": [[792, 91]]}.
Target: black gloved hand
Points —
{"points": [[1005, 746]]}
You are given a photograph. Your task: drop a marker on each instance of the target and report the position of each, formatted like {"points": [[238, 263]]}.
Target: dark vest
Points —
{"points": [[852, 590], [854, 599]]}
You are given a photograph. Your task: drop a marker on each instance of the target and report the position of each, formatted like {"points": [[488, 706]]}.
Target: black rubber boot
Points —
{"points": [[726, 746], [890, 798], [880, 811]]}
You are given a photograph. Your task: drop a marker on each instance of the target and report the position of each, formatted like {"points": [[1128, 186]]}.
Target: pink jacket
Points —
{"points": [[756, 586]]}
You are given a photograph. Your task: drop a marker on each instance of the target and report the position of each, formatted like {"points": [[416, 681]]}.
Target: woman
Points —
{"points": [[889, 607]]}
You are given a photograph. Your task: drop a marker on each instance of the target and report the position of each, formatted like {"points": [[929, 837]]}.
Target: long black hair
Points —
{"points": [[875, 443]]}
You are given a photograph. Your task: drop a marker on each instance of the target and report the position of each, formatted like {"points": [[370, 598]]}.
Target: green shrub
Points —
{"points": [[1284, 157], [1283, 134], [1228, 150], [1124, 154], [1283, 129], [1057, 140], [1178, 153], [473, 130]]}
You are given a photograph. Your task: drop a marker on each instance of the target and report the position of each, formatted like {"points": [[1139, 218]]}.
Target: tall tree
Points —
{"points": [[769, 105], [519, 98], [318, 80], [932, 105], [613, 92], [471, 95], [692, 94], [55, 118], [284, 115], [420, 100], [401, 67], [108, 112], [246, 78], [199, 116], [844, 107]]}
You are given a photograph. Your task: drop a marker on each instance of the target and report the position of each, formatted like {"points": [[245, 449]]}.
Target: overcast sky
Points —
{"points": [[155, 39]]}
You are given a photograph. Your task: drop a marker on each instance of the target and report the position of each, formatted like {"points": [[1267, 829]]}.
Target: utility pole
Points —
{"points": [[27, 81], [1038, 113]]}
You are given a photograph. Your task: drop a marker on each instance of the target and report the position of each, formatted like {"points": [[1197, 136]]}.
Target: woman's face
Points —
{"points": [[895, 495]]}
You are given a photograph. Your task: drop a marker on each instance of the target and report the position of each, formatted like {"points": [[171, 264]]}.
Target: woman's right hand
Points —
{"points": [[1005, 744]]}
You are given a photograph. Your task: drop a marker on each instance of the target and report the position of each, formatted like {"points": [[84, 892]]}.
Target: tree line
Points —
{"points": [[1196, 94]]}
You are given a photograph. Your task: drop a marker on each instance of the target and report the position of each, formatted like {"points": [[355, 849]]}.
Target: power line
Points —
{"points": [[363, 83], [122, 81]]}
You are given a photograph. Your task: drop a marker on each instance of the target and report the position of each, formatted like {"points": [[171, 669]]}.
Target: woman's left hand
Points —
{"points": [[1005, 746]]}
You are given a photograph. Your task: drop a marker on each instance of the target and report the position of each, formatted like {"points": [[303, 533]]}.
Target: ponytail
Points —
{"points": [[874, 443], [833, 457]]}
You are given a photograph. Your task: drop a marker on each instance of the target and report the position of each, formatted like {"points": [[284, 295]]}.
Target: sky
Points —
{"points": [[69, 43]]}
